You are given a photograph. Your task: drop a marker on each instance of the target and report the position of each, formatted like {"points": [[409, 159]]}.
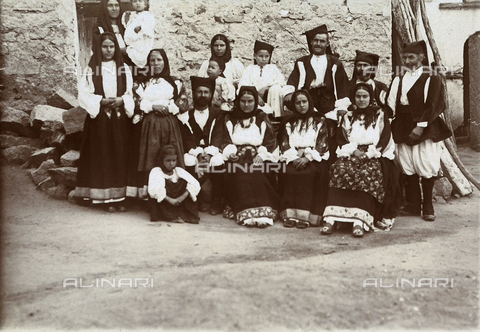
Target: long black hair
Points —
{"points": [[297, 117], [370, 111], [228, 51], [95, 64]]}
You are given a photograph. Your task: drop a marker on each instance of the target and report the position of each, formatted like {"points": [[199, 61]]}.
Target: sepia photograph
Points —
{"points": [[252, 165]]}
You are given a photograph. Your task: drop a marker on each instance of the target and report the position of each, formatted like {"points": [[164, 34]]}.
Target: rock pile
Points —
{"points": [[45, 139]]}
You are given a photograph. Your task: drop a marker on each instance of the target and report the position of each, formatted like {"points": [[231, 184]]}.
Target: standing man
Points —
{"points": [[416, 98], [366, 65], [197, 133], [323, 76]]}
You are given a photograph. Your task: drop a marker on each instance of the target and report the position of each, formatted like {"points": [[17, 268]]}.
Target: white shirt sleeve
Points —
{"points": [[86, 97], [128, 101], [392, 97]]}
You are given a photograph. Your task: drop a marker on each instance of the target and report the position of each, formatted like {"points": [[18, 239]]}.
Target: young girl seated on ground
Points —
{"points": [[139, 32], [267, 79], [173, 191], [224, 94]]}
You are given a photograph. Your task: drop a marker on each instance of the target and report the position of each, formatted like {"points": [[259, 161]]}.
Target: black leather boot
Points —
{"points": [[427, 187], [413, 197]]}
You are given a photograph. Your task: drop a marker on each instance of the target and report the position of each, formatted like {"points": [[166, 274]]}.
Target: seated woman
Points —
{"points": [[249, 145], [362, 179], [220, 48], [157, 102], [105, 92], [303, 143]]}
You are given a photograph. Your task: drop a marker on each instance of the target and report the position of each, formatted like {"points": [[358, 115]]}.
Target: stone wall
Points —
{"points": [[38, 36], [37, 44], [185, 30]]}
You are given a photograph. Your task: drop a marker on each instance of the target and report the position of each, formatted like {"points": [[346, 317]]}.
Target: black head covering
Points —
{"points": [[237, 113], [166, 150], [418, 47], [371, 110], [296, 116], [228, 52], [202, 81], [370, 58], [165, 74], [310, 34], [259, 45], [104, 21], [95, 64]]}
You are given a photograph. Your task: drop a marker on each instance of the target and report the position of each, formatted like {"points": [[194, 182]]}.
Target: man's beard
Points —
{"points": [[363, 77], [201, 101]]}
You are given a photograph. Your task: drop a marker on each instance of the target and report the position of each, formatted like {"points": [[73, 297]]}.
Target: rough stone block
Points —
{"points": [[41, 174], [73, 120], [64, 175], [56, 139], [70, 158], [8, 141], [15, 121], [62, 99], [58, 192], [19, 104], [43, 113], [52, 133], [46, 184], [40, 156], [17, 154], [71, 197], [443, 188]]}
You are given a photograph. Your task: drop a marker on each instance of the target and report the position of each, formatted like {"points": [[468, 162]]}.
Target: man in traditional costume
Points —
{"points": [[366, 65], [197, 133], [321, 73], [416, 99]]}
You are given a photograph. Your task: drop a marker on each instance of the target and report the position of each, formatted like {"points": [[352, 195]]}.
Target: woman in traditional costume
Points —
{"points": [[248, 146], [220, 48], [109, 20], [105, 92], [304, 147], [363, 181], [157, 103]]}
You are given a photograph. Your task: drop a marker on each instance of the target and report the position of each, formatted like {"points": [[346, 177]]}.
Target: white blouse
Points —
{"points": [[303, 139], [247, 132], [260, 77], [157, 188], [86, 90], [158, 91], [358, 134]]}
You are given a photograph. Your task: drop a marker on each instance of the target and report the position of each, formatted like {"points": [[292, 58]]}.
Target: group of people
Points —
{"points": [[317, 149]]}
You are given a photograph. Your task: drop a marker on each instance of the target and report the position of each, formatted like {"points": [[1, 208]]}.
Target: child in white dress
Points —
{"points": [[139, 32], [267, 78]]}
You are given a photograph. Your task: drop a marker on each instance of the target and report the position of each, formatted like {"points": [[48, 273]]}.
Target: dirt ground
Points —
{"points": [[220, 276]]}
